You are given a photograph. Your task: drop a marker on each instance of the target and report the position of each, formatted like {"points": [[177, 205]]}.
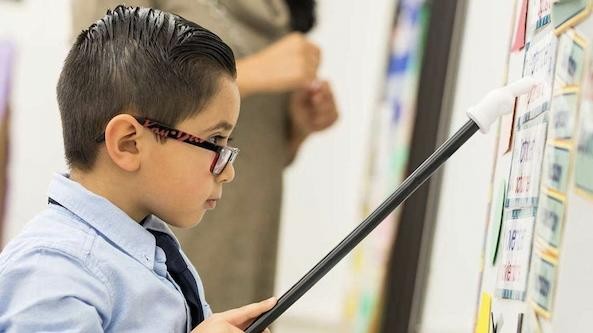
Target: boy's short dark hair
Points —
{"points": [[157, 64]]}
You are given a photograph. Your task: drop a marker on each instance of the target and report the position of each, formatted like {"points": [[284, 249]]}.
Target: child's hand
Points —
{"points": [[235, 320], [288, 64]]}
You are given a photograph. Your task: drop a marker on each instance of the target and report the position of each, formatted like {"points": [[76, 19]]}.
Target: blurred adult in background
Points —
{"points": [[283, 102]]}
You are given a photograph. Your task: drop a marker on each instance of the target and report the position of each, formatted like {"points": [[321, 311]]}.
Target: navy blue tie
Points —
{"points": [[179, 271]]}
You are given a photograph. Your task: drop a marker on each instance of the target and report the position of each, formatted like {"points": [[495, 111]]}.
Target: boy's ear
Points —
{"points": [[121, 141]]}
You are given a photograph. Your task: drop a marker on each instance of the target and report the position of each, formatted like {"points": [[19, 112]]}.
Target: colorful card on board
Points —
{"points": [[524, 179], [568, 13], [550, 219], [517, 237], [558, 163], [563, 114], [520, 25], [543, 284], [583, 168], [540, 57], [571, 58], [539, 15], [483, 323]]}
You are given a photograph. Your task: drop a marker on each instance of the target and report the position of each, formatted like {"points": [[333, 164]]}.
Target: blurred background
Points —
{"points": [[403, 73]]}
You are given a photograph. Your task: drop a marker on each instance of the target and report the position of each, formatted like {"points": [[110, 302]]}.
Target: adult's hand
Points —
{"points": [[288, 64]]}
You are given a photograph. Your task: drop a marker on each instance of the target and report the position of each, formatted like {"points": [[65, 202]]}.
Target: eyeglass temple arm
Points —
{"points": [[482, 116]]}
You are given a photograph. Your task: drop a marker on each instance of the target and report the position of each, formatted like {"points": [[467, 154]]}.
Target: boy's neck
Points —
{"points": [[110, 188]]}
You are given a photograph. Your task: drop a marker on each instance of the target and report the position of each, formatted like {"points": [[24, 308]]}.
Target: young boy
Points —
{"points": [[101, 257]]}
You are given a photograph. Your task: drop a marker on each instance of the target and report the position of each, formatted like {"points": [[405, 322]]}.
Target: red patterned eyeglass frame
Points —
{"points": [[225, 155]]}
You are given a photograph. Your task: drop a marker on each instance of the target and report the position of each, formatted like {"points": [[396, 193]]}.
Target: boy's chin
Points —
{"points": [[186, 223]]}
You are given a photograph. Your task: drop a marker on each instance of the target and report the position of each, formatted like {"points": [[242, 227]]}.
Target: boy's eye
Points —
{"points": [[219, 140]]}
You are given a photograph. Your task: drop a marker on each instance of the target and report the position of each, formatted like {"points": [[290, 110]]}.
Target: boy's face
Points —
{"points": [[179, 185]]}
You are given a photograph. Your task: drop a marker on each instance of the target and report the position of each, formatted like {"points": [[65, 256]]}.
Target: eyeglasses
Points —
{"points": [[224, 155]]}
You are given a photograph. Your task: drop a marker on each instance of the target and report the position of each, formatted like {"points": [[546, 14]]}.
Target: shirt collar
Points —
{"points": [[109, 220]]}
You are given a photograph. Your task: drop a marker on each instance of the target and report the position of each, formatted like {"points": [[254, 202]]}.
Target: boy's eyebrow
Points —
{"points": [[224, 125]]}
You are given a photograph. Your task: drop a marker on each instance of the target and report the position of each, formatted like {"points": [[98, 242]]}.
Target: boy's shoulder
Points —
{"points": [[49, 267], [54, 231]]}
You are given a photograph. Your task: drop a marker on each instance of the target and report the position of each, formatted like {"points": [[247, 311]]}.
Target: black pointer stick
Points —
{"points": [[405, 189], [485, 113]]}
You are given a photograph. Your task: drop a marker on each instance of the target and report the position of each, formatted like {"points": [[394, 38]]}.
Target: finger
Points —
{"points": [[233, 329], [317, 90], [323, 103], [326, 91], [314, 51], [325, 87], [314, 87], [322, 126], [240, 316], [312, 67], [317, 56], [323, 122], [318, 100], [522, 86], [267, 330], [314, 56], [328, 112]]}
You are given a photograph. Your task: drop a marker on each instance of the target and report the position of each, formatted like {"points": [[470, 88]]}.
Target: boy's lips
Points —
{"points": [[211, 203]]}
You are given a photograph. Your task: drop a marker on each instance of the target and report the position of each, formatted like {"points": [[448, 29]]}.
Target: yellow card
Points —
{"points": [[483, 324]]}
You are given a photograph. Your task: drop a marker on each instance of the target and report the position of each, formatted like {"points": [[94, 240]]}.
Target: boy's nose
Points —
{"points": [[228, 174]]}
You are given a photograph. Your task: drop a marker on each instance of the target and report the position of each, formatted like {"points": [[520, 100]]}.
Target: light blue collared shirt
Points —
{"points": [[88, 267]]}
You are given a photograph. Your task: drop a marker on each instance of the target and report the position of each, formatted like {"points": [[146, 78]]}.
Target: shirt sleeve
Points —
{"points": [[46, 290]]}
